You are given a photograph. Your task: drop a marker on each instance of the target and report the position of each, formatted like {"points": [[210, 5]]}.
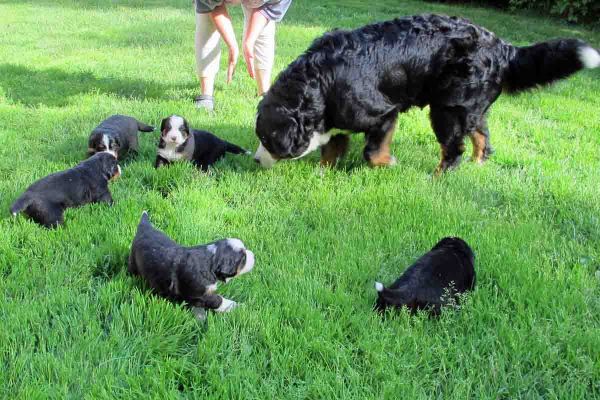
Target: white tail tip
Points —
{"points": [[589, 57], [14, 214], [379, 286]]}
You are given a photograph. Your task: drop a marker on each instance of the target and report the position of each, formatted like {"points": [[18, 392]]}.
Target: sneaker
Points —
{"points": [[205, 101]]}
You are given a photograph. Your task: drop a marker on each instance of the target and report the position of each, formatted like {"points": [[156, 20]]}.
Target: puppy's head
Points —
{"points": [[99, 143], [174, 130], [388, 298], [106, 164], [282, 135], [231, 259]]}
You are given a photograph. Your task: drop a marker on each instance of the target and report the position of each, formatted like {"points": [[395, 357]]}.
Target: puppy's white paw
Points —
{"points": [[226, 306], [393, 161]]}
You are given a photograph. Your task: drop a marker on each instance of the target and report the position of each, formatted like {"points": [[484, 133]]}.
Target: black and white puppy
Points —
{"points": [[189, 274], [447, 270], [179, 142], [118, 134], [46, 200]]}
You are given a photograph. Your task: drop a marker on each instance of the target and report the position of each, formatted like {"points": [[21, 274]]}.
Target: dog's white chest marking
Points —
{"points": [[170, 152], [317, 140]]}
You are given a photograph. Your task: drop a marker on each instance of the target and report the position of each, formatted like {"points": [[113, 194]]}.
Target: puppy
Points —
{"points": [[437, 277], [361, 80], [178, 142], [46, 200], [189, 274], [118, 134]]}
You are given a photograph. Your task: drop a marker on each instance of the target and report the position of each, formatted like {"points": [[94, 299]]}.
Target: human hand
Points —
{"points": [[249, 58], [233, 57]]}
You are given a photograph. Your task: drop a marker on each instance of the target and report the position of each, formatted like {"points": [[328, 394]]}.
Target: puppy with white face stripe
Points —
{"points": [[179, 142], [117, 135], [187, 274]]}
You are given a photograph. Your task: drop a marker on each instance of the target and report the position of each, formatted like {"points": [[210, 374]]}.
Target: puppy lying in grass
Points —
{"points": [[179, 142], [46, 200], [434, 280], [118, 134], [189, 274]]}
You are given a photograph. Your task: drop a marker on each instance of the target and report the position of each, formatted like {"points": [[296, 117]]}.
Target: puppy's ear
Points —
{"points": [[186, 128], [228, 264], [164, 125]]}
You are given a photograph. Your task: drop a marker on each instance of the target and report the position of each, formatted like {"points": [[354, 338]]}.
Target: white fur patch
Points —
{"points": [[106, 143], [211, 288], [226, 305], [317, 140], [589, 57], [379, 286], [212, 248], [236, 244], [170, 152], [249, 263], [263, 156]]}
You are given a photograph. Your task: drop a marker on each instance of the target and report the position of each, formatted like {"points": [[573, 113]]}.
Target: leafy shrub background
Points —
{"points": [[587, 11]]}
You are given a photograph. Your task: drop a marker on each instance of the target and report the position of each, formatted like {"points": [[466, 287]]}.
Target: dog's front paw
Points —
{"points": [[226, 306]]}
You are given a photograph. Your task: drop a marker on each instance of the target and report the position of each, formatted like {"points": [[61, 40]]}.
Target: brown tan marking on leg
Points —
{"points": [[383, 157], [440, 168], [334, 149], [479, 142]]}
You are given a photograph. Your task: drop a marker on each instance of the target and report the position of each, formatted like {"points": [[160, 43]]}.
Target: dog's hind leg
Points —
{"points": [[134, 145], [131, 265], [377, 150], [47, 214], [334, 150], [481, 142]]}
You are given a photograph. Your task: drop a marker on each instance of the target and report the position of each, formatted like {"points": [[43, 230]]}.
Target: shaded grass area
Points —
{"points": [[74, 324]]}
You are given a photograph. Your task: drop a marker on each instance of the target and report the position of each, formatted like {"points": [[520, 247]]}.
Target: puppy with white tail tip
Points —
{"points": [[434, 280], [187, 274]]}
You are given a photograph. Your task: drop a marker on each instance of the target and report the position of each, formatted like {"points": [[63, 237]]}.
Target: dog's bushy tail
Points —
{"points": [[235, 149], [20, 204], [546, 62], [142, 127]]}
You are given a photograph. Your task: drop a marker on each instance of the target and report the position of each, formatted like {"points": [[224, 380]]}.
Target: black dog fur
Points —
{"points": [[45, 200], [360, 80], [117, 134], [179, 142], [447, 270], [187, 274]]}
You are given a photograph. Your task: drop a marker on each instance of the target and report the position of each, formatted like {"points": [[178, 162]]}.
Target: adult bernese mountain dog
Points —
{"points": [[360, 80]]}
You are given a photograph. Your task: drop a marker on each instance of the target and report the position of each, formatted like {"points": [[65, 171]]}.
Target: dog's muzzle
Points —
{"points": [[263, 157]]}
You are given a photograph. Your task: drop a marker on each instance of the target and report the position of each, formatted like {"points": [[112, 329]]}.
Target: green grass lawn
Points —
{"points": [[75, 325]]}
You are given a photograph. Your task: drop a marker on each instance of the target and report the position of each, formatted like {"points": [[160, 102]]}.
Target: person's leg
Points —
{"points": [[264, 52], [208, 55]]}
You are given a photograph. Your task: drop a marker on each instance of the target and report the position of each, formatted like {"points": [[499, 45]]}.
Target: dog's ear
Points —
{"points": [[110, 166], [164, 125], [228, 264], [186, 127]]}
